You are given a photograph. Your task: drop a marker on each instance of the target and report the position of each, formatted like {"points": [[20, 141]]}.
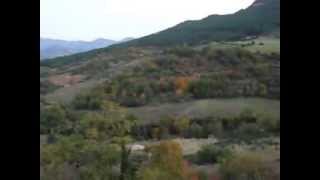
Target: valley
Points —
{"points": [[198, 101]]}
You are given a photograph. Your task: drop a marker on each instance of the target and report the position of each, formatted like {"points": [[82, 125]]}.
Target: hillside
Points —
{"points": [[200, 100], [145, 76], [262, 17]]}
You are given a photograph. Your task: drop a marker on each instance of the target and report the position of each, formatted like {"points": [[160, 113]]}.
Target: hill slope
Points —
{"points": [[262, 17]]}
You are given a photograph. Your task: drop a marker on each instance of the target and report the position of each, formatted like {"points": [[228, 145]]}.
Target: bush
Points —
{"points": [[214, 128], [47, 87], [181, 125], [244, 166], [209, 87], [270, 124], [210, 154], [88, 101], [195, 131], [183, 51], [249, 131], [53, 119]]}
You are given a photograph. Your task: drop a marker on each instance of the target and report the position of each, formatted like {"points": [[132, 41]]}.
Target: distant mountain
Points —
{"points": [[127, 39], [50, 48], [262, 17]]}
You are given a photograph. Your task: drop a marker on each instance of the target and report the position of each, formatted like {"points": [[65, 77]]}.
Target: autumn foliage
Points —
{"points": [[181, 85], [167, 162]]}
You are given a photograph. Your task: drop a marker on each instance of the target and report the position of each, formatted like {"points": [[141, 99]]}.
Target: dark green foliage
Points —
{"points": [[53, 119], [195, 131], [208, 88], [183, 51], [47, 87], [247, 125], [215, 128], [210, 154], [89, 101]]}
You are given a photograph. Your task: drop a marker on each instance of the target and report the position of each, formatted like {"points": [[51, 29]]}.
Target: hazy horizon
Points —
{"points": [[88, 20]]}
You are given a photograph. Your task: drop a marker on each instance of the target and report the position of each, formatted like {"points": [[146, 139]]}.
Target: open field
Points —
{"points": [[209, 107], [66, 94], [261, 44]]}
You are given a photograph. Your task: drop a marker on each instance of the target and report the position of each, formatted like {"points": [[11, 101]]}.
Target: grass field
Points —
{"points": [[192, 146], [262, 44], [209, 107], [66, 94]]}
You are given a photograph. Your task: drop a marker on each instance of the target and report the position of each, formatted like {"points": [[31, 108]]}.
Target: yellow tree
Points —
{"points": [[166, 163]]}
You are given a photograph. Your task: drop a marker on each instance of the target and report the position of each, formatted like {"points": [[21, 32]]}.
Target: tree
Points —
{"points": [[212, 154], [181, 124], [166, 163], [53, 119], [195, 130], [99, 146], [87, 159], [181, 85], [262, 90]]}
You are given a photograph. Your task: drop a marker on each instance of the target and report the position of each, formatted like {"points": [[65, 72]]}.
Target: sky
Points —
{"points": [[118, 19]]}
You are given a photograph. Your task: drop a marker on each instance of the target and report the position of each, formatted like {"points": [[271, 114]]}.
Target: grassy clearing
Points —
{"points": [[264, 44], [66, 94], [209, 107], [261, 44]]}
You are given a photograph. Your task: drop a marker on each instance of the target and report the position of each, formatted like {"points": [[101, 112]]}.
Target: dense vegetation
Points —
{"points": [[90, 137], [94, 144], [95, 135], [183, 73]]}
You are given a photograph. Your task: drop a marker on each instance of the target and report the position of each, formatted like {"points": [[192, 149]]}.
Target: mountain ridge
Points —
{"points": [[262, 17], [51, 48]]}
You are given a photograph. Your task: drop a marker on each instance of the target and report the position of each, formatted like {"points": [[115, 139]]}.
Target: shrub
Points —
{"points": [[53, 119], [183, 51], [249, 131], [92, 101], [248, 116], [47, 87], [181, 124], [270, 124], [210, 154], [203, 175], [244, 166], [214, 128], [195, 131], [208, 87]]}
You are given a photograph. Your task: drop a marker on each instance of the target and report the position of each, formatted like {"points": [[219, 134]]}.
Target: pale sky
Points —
{"points": [[117, 19]]}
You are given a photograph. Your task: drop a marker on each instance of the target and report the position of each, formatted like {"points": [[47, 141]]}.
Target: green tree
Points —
{"points": [[181, 124], [53, 119], [113, 124]]}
